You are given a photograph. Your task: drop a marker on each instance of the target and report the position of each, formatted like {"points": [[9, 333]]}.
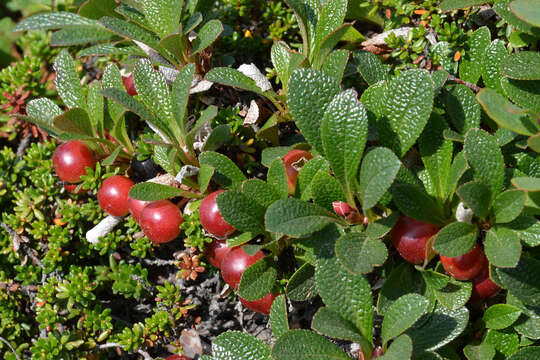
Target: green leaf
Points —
{"points": [[458, 168], [295, 217], [54, 20], [325, 189], [219, 136], [180, 95], [522, 280], [285, 61], [277, 178], [226, 172], [399, 349], [522, 65], [506, 114], [402, 314], [278, 316], [359, 254], [232, 77], [329, 43], [526, 10], [530, 184], [330, 323], [491, 73], [306, 175], [192, 22], [527, 229], [414, 202], [208, 33], [75, 120], [236, 345], [462, 107], [436, 153], [447, 5], [335, 64], [383, 226], [67, 81], [330, 17], [502, 247], [506, 341], [162, 15], [455, 239], [109, 160], [370, 67], [508, 205], [476, 196], [481, 351], [438, 328], [305, 345], [435, 280], [485, 158], [149, 191], [80, 35], [502, 9], [524, 93], [302, 285], [310, 93], [470, 68], [113, 79], [379, 169], [403, 279], [95, 105], [454, 294], [348, 295], [258, 279], [260, 191], [240, 239], [500, 316], [44, 110], [130, 31], [531, 352], [407, 107], [241, 212]]}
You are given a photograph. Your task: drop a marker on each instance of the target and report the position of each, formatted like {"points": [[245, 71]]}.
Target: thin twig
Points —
{"points": [[474, 87], [23, 145], [114, 345], [159, 262], [10, 348]]}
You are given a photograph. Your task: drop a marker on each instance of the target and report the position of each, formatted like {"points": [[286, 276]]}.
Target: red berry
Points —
{"points": [[234, 264], [177, 357], [294, 160], [113, 195], [71, 159], [129, 84], [410, 237], [216, 251], [377, 352], [262, 305], [347, 212], [483, 286], [211, 218], [161, 220], [466, 266], [136, 207]]}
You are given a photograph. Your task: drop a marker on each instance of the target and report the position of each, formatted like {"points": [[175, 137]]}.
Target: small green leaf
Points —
{"points": [[278, 316], [335, 64], [379, 169], [241, 212], [454, 295], [285, 61], [455, 239], [526, 10], [44, 111], [54, 20], [226, 172], [383, 226], [531, 184], [258, 279], [485, 158], [531, 352], [359, 254], [232, 77], [370, 67], [180, 94], [470, 68], [400, 348], [302, 285], [522, 65], [109, 160], [402, 314], [310, 93], [527, 228], [277, 178], [204, 176], [130, 31], [162, 15], [476, 196], [295, 217], [95, 105], [491, 73], [414, 202], [435, 280], [325, 189], [506, 341], [481, 351], [113, 79], [458, 168], [239, 346], [80, 35], [260, 191], [522, 280], [67, 81], [306, 175], [502, 247], [75, 120], [447, 5], [219, 136], [523, 93], [149, 191], [208, 33], [403, 279], [508, 205], [500, 316], [330, 323], [305, 345], [462, 107]]}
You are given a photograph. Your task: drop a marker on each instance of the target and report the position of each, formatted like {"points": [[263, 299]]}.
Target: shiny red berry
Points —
{"points": [[466, 266], [262, 305], [71, 159], [294, 160], [483, 286], [216, 251], [410, 237], [136, 207], [211, 218], [113, 195], [161, 220], [235, 263], [129, 84]]}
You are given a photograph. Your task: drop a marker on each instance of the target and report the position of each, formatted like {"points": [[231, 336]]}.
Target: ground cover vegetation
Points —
{"points": [[280, 179]]}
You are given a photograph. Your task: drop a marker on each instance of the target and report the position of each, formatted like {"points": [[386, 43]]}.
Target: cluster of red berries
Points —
{"points": [[411, 237], [159, 220]]}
